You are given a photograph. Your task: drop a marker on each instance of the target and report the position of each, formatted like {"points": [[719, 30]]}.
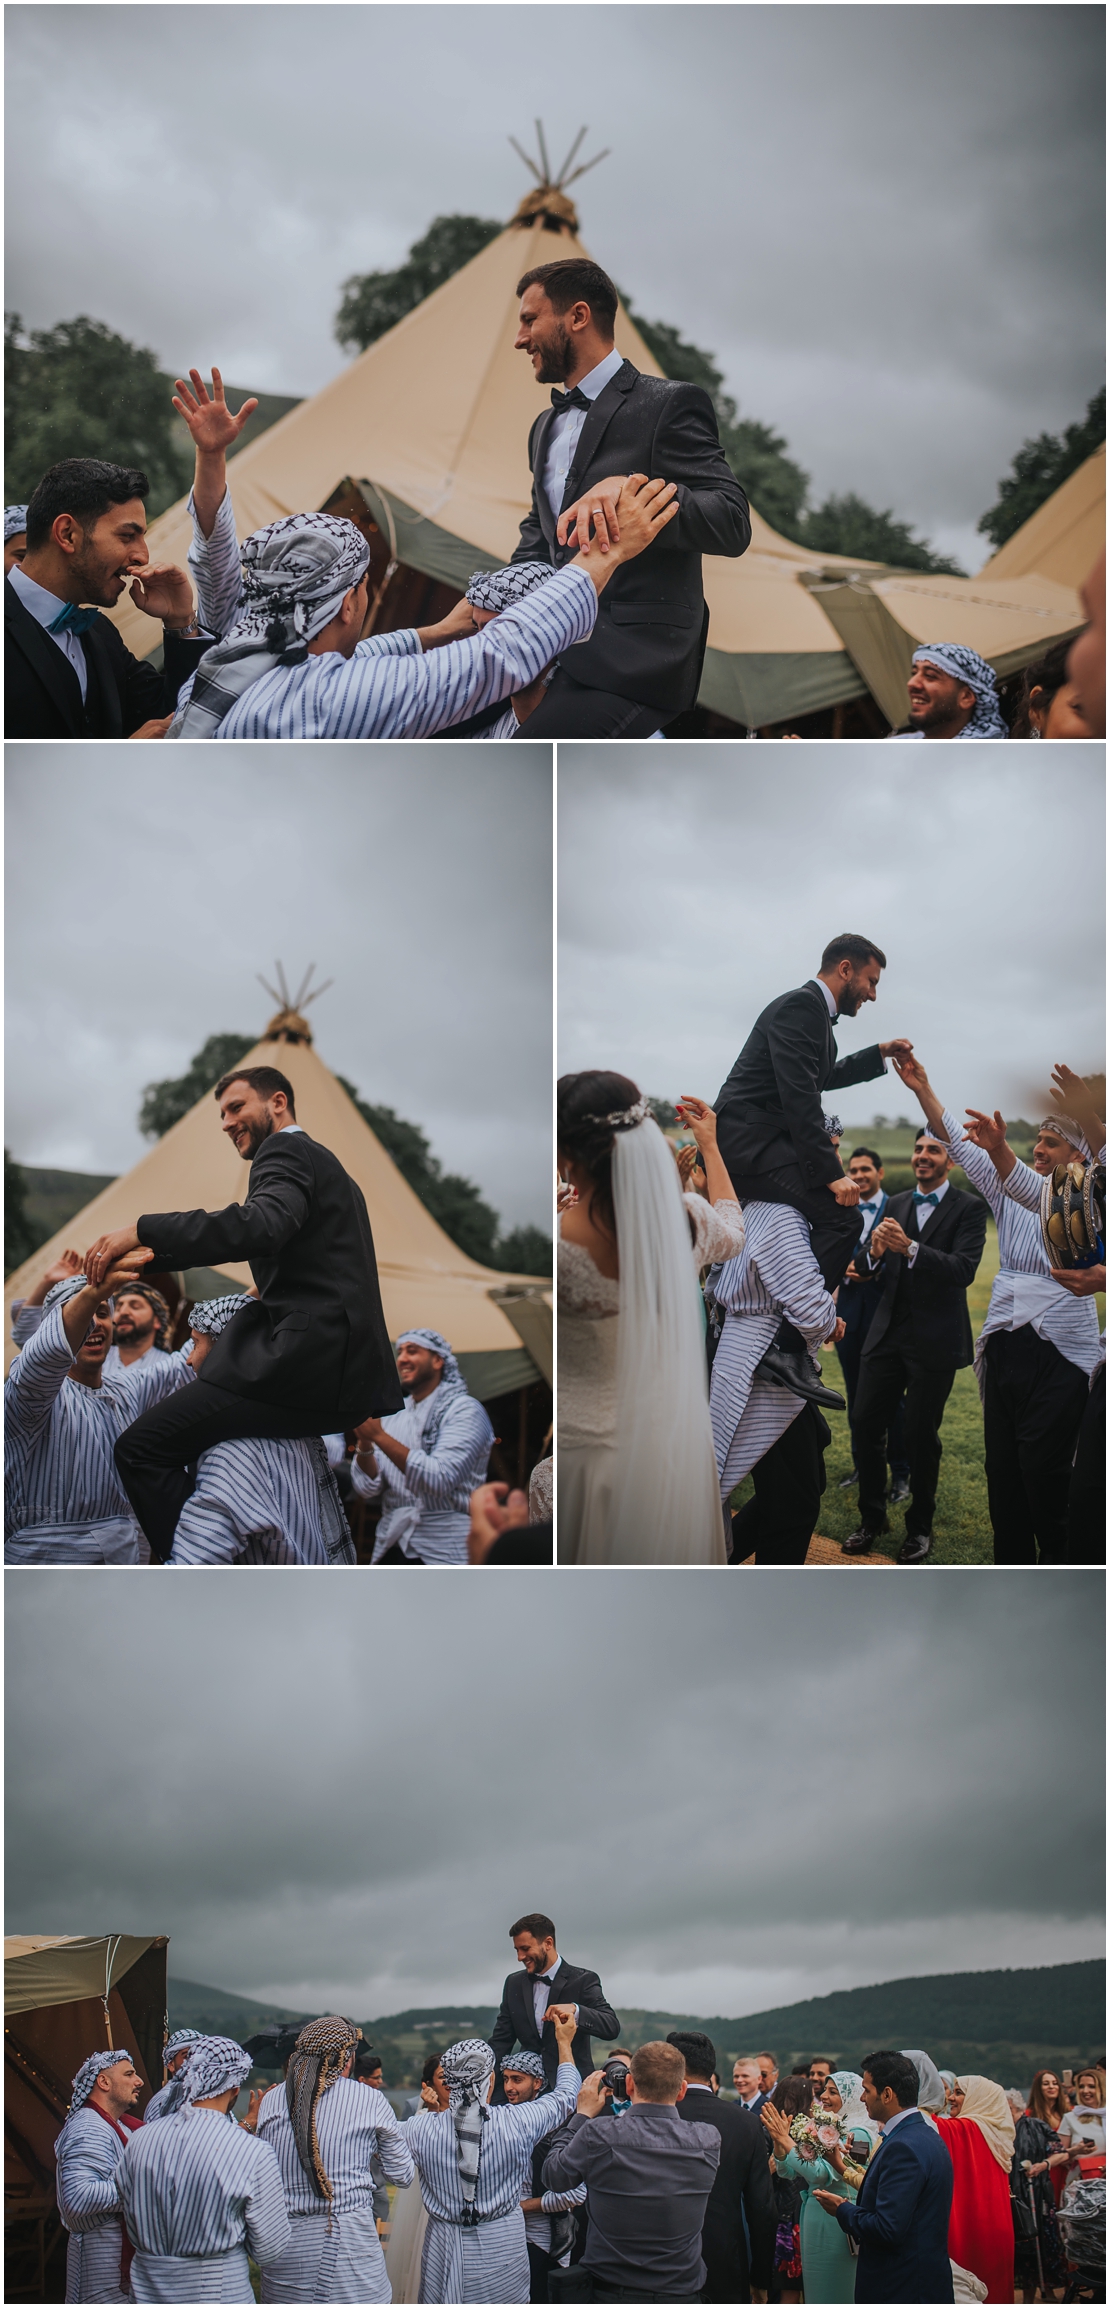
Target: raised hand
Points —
{"points": [[210, 421], [599, 509], [845, 1191], [107, 1251], [68, 1263], [985, 1130], [910, 1070], [1081, 1100], [699, 1118], [899, 1049]]}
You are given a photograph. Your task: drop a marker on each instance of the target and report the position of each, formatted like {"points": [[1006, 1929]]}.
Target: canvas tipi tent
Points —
{"points": [[1064, 537], [426, 1282]]}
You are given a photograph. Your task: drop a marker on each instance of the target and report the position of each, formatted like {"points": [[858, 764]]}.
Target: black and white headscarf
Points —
{"points": [[213, 2065], [451, 1385], [211, 1315], [321, 2051], [15, 521], [498, 589], [523, 2064], [967, 666], [296, 573], [467, 2069], [87, 2074]]}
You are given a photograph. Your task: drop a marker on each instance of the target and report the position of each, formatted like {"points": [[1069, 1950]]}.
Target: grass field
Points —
{"points": [[961, 1525]]}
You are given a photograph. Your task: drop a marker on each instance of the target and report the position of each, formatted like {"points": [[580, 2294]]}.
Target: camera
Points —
{"points": [[614, 2075]]}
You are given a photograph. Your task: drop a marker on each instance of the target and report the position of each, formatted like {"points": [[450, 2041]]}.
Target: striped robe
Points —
{"points": [[88, 2152], [389, 688], [335, 2253], [264, 1502], [488, 2262], [436, 1483], [775, 1274], [64, 1502], [1069, 1324], [199, 2194]]}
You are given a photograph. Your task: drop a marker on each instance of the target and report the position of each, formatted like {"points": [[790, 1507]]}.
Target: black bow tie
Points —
{"points": [[575, 399]]}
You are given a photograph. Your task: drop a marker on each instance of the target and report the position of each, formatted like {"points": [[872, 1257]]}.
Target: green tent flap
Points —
{"points": [[39, 1971], [756, 689], [488, 1375]]}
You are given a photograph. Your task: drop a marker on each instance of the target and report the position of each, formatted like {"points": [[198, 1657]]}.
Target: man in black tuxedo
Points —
{"points": [[928, 1244], [309, 1356], [546, 1984], [67, 672], [856, 1303], [771, 1128], [642, 663], [743, 2183]]}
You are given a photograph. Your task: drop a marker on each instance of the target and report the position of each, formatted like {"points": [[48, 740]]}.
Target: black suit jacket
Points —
{"points": [[516, 2020], [770, 1106], [936, 1284], [743, 2184], [315, 1340], [649, 640], [43, 694], [856, 1301]]}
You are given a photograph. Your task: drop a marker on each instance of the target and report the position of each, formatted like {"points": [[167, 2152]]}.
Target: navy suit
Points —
{"points": [[900, 2217]]}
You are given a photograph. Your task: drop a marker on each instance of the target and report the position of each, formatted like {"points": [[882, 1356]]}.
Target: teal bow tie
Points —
{"points": [[933, 1198], [73, 620]]}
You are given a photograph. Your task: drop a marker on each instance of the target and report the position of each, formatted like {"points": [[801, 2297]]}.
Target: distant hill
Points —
{"points": [[55, 1196], [1001, 2023]]}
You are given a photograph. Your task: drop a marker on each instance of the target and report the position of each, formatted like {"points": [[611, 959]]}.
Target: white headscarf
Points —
{"points": [[931, 2095], [986, 2104], [853, 2114], [15, 521]]}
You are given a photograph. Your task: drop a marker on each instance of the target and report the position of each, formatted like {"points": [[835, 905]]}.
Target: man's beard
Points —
{"points": [[257, 1132], [847, 1005], [558, 359], [95, 584]]}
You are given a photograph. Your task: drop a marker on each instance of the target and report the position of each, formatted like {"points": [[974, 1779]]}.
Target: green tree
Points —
{"points": [[1039, 467], [165, 1103], [79, 390], [455, 1202], [527, 1250], [848, 525], [375, 301], [21, 1235]]}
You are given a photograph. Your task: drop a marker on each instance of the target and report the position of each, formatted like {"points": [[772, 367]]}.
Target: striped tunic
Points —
{"points": [[1023, 1290], [264, 1502], [88, 2152], [198, 2194], [64, 1502], [334, 2253], [389, 688], [488, 2262], [775, 1274], [427, 1503], [156, 2107]]}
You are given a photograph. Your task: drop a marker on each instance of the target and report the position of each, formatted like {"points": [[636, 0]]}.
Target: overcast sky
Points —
{"points": [[885, 221], [696, 887], [144, 894], [727, 1792]]}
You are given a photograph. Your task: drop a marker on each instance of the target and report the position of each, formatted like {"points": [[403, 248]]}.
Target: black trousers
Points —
{"points": [[157, 1457], [574, 2284], [833, 1232], [778, 1524], [848, 1353], [568, 709], [540, 2265], [1033, 1402], [1087, 1490], [884, 1377]]}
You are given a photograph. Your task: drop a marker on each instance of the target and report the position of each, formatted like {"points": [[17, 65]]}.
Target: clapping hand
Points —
{"points": [[827, 2200], [493, 1508], [774, 2122], [207, 415], [888, 1235]]}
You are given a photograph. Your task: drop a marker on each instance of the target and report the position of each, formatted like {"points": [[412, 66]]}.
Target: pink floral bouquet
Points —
{"points": [[817, 2134]]}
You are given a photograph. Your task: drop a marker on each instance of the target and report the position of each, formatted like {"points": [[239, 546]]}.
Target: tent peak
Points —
{"points": [[288, 1025], [547, 204]]}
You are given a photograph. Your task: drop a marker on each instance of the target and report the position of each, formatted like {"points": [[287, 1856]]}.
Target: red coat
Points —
{"points": [[980, 2224]]}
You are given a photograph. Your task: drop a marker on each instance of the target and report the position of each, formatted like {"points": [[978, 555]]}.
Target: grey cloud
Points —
{"points": [[886, 223], [694, 887], [146, 889], [347, 1787]]}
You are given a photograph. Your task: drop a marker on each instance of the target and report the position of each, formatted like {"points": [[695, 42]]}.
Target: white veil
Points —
{"points": [[667, 1503]]}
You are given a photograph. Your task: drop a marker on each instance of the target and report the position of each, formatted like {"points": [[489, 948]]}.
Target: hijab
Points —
{"points": [[986, 2104], [853, 2114], [931, 2095]]}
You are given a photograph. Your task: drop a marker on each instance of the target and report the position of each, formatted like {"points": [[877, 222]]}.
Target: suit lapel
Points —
{"points": [[539, 460], [602, 412], [102, 679], [46, 659], [936, 1212]]}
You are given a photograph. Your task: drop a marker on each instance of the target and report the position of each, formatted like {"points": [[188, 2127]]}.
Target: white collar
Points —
{"points": [[40, 604], [822, 988], [598, 378]]}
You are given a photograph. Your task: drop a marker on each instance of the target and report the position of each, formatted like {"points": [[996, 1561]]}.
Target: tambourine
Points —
{"points": [[1073, 1214]]}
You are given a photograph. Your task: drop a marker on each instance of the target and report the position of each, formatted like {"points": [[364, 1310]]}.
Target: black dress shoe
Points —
{"points": [[848, 1482], [916, 1547], [799, 1373], [861, 1542]]}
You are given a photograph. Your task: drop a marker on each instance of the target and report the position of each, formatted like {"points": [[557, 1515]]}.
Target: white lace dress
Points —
{"points": [[588, 1305]]}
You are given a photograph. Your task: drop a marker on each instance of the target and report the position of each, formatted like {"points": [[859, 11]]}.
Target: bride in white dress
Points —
{"points": [[637, 1477]]}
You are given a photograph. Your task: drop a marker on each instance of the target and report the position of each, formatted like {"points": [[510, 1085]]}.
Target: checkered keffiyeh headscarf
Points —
{"points": [[15, 521], [179, 2042], [155, 1299], [467, 2069], [499, 589], [295, 576], [967, 666], [87, 2074], [317, 2063], [213, 2065], [451, 1385], [523, 2064], [212, 1315]]}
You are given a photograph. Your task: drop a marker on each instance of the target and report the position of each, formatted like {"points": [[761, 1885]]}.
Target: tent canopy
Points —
{"points": [[39, 1971], [425, 1281], [1064, 537]]}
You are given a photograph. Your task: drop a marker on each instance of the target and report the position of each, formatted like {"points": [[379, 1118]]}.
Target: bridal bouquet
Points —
{"points": [[817, 2134]]}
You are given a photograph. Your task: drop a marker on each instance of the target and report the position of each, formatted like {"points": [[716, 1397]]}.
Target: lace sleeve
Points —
{"points": [[580, 1287], [718, 1230]]}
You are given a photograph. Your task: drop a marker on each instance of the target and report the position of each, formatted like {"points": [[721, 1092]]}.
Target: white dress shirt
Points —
{"points": [[920, 1221], [566, 427], [44, 607], [541, 1994], [868, 1211]]}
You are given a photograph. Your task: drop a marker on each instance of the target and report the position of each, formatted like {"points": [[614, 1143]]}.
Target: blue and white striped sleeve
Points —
{"points": [[552, 2108], [783, 1256], [1024, 1186], [459, 1455], [265, 2216], [208, 1531], [396, 2162], [428, 693], [35, 1379], [86, 2184], [25, 1320], [215, 570], [974, 1161]]}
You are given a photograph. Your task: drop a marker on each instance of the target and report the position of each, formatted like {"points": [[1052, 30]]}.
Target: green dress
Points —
{"points": [[828, 2267]]}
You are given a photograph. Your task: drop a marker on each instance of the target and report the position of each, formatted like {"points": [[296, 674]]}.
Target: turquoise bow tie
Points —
{"points": [[933, 1198], [73, 620]]}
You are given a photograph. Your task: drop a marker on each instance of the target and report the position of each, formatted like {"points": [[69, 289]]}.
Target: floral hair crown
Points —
{"points": [[625, 1118]]}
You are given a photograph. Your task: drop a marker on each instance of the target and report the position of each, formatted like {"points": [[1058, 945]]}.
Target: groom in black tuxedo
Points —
{"points": [[642, 663], [531, 1997]]}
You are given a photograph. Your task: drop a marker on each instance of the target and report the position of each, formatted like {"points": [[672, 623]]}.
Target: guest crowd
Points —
{"points": [[520, 2172]]}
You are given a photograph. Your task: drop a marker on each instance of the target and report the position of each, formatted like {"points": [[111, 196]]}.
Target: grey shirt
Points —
{"points": [[647, 2184]]}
